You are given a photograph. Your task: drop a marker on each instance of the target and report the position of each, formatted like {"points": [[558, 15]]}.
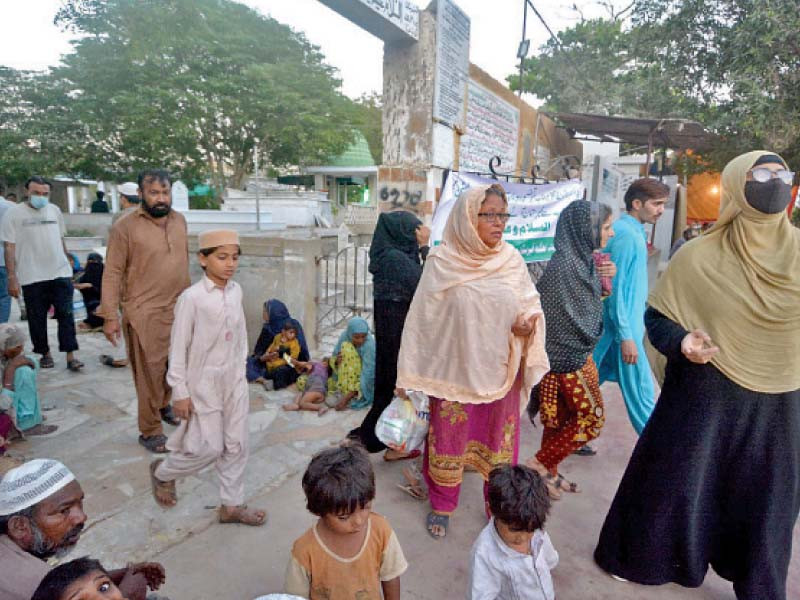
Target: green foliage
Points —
{"points": [[733, 65], [796, 216], [190, 85], [366, 117], [204, 203]]}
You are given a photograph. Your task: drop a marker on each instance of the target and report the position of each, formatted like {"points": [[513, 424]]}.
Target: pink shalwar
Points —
{"points": [[207, 357]]}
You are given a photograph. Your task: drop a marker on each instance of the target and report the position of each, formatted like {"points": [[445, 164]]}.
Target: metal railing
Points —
{"points": [[344, 288]]}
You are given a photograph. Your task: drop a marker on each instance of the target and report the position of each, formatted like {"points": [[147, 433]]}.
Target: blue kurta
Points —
{"points": [[623, 319]]}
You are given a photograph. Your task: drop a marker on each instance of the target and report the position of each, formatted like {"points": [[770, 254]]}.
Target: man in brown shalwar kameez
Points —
{"points": [[147, 267]]}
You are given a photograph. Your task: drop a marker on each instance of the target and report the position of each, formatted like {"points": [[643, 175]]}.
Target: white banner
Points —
{"points": [[534, 211]]}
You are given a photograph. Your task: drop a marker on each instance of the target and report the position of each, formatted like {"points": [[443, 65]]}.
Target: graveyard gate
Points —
{"points": [[344, 288]]}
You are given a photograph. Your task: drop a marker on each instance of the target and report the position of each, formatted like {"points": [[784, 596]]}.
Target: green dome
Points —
{"points": [[357, 155]]}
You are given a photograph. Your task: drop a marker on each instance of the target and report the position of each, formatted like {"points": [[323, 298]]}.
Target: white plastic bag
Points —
{"points": [[403, 424]]}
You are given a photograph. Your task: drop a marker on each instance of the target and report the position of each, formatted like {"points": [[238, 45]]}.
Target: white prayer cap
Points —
{"points": [[31, 483], [128, 189]]}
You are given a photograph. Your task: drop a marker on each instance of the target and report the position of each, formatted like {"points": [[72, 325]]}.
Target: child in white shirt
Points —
{"points": [[512, 557]]}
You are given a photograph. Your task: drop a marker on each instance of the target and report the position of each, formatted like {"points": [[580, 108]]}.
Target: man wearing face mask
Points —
{"points": [[41, 517], [147, 268], [38, 265]]}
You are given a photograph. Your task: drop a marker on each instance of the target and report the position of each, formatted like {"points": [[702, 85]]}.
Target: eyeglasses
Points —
{"points": [[492, 217], [762, 175]]}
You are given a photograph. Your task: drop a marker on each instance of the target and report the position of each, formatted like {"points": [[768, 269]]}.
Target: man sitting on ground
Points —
{"points": [[41, 516]]}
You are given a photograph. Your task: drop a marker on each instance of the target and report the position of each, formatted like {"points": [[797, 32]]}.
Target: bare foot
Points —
{"points": [[292, 406], [322, 410]]}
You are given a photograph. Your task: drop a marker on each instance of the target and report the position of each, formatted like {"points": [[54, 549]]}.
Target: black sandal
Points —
{"points": [[168, 416], [155, 443], [110, 362], [46, 362], [75, 365], [566, 485], [586, 450], [433, 520]]}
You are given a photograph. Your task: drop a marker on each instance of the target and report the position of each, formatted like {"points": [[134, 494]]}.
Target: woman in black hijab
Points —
{"points": [[568, 397], [90, 286], [399, 247]]}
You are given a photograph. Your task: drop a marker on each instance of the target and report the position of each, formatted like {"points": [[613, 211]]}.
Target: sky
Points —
{"points": [[29, 40]]}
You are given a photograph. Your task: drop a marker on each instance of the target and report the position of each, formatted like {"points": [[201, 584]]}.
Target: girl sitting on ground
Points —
{"points": [[353, 364], [313, 396]]}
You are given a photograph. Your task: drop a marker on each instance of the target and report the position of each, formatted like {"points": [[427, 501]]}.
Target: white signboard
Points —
{"points": [[492, 130], [534, 211], [452, 63], [389, 20]]}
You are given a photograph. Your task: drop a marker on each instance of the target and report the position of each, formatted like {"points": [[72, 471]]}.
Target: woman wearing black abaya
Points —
{"points": [[90, 285], [715, 477], [399, 246]]}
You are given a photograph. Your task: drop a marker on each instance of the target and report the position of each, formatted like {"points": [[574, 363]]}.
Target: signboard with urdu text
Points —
{"points": [[534, 211]]}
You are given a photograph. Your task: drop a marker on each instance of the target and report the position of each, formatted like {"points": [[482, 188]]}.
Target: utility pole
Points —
{"points": [[524, 45], [258, 198]]}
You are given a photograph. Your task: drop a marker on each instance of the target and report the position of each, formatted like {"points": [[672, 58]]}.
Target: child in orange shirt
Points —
{"points": [[350, 552]]}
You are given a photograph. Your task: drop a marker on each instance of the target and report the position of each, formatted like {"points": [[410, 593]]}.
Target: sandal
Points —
{"points": [[40, 429], [567, 486], [46, 362], [168, 416], [402, 455], [551, 481], [436, 520], [163, 491], [241, 514], [155, 443], [414, 485], [74, 365], [586, 450], [110, 362]]}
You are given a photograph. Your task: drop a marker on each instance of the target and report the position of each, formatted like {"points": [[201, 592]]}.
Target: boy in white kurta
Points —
{"points": [[207, 357]]}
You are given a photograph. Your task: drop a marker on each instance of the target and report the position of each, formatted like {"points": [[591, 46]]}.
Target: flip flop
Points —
{"points": [[40, 429], [110, 362], [46, 362], [154, 442], [586, 450], [566, 485], [414, 491], [168, 416], [410, 456], [166, 487], [75, 365], [242, 516], [434, 519]]}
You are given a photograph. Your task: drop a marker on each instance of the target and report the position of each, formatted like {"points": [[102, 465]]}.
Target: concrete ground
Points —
{"points": [[96, 414]]}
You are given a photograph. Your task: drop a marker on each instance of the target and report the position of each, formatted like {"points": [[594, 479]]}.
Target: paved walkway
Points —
{"points": [[96, 414]]}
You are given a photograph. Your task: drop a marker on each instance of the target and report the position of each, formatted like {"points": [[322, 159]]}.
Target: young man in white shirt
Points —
{"points": [[38, 267]]}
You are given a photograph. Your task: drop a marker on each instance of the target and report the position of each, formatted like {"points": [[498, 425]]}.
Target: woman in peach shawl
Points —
{"points": [[474, 342]]}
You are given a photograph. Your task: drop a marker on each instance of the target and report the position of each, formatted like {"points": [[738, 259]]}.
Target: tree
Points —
{"points": [[196, 85], [367, 114], [733, 65]]}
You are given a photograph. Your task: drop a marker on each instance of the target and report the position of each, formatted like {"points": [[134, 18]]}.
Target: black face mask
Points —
{"points": [[770, 197], [157, 211]]}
